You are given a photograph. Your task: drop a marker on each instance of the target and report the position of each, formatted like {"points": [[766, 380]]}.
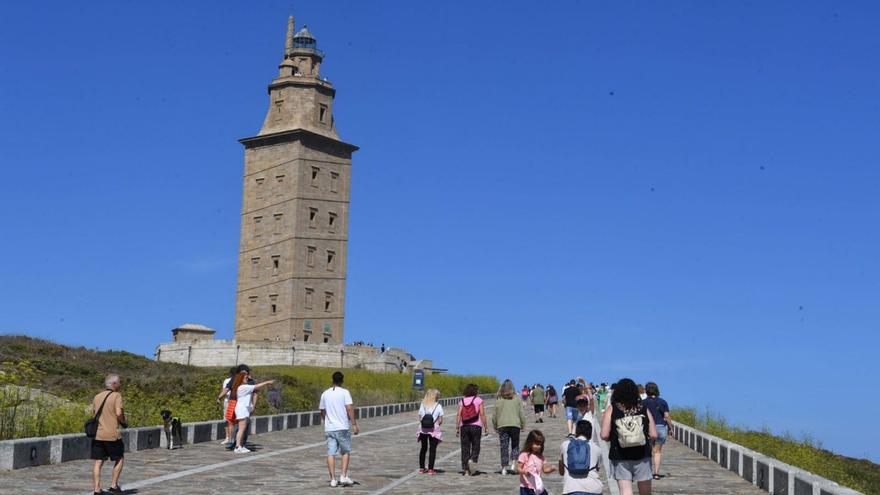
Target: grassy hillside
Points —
{"points": [[69, 377], [858, 474]]}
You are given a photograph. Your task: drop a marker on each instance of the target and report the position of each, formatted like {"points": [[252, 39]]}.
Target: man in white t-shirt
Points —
{"points": [[337, 411], [583, 484]]}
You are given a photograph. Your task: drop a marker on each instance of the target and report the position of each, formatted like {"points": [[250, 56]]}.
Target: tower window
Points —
{"points": [[307, 325], [334, 182], [328, 302], [322, 113], [259, 181], [326, 340], [257, 227], [273, 303], [278, 105], [310, 256], [255, 267], [315, 172], [331, 221], [310, 293], [331, 257], [328, 328], [313, 217], [252, 306], [278, 223], [306, 338], [276, 261], [279, 185]]}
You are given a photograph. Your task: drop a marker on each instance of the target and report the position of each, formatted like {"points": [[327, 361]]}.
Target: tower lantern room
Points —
{"points": [[300, 98], [301, 55]]}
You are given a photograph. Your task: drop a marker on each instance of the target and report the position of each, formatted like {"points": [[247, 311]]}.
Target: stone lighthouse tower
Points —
{"points": [[294, 216]]}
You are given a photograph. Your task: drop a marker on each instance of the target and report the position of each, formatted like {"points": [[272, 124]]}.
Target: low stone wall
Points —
{"points": [[225, 353], [769, 474], [29, 452]]}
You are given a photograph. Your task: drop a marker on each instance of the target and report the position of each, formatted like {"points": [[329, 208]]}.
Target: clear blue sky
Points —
{"points": [[683, 192]]}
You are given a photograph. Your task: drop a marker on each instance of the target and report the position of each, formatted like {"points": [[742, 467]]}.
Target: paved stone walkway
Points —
{"points": [[384, 461]]}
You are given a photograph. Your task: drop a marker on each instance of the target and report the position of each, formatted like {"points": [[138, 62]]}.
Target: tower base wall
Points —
{"points": [[228, 353]]}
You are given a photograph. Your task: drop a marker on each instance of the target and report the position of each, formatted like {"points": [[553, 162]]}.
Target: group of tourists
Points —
{"points": [[634, 423], [634, 426], [239, 396]]}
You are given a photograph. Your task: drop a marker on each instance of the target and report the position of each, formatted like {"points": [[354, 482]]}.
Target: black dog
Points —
{"points": [[172, 428]]}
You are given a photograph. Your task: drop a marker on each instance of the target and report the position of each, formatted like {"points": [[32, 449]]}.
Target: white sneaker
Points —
{"points": [[334, 483], [504, 471], [241, 450], [345, 481], [226, 442], [472, 466]]}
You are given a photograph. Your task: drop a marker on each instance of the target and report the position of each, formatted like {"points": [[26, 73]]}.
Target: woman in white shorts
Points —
{"points": [[628, 426], [243, 393]]}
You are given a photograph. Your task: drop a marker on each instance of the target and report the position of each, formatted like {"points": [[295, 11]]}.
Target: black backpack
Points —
{"points": [[428, 419], [91, 426]]}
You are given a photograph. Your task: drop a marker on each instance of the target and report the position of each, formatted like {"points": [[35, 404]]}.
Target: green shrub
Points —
{"points": [[805, 453], [75, 375]]}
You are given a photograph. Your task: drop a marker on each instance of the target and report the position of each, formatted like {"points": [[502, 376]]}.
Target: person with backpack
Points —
{"points": [[531, 467], [509, 420], [430, 419], [469, 428], [627, 425], [579, 459], [659, 410]]}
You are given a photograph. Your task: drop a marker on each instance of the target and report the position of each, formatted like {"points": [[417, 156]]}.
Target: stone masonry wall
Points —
{"points": [[231, 352]]}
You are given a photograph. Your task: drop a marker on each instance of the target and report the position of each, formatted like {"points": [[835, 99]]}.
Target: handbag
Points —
{"points": [[230, 410], [91, 426]]}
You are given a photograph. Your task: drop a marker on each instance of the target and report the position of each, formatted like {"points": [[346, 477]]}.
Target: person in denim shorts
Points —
{"points": [[337, 411], [660, 411], [569, 396]]}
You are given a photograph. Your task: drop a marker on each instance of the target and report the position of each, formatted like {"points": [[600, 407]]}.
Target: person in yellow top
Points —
{"points": [[107, 444]]}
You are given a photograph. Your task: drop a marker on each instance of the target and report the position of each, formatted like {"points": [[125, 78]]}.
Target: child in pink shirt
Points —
{"points": [[530, 465]]}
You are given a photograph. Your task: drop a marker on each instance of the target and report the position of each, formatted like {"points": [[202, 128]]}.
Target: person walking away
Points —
{"points": [[469, 428], [552, 400], [243, 392], [579, 459], [524, 393], [659, 410], [642, 394], [538, 398], [508, 420], [627, 425], [430, 419], [602, 396], [107, 444], [337, 411], [531, 466], [225, 390], [569, 396]]}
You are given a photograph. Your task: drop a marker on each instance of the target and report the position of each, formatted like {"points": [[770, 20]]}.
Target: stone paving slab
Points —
{"points": [[384, 461]]}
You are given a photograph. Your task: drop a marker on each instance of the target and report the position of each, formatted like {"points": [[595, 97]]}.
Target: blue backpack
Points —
{"points": [[578, 456]]}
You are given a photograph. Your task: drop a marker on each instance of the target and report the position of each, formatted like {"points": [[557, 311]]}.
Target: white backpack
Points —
{"points": [[630, 431]]}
